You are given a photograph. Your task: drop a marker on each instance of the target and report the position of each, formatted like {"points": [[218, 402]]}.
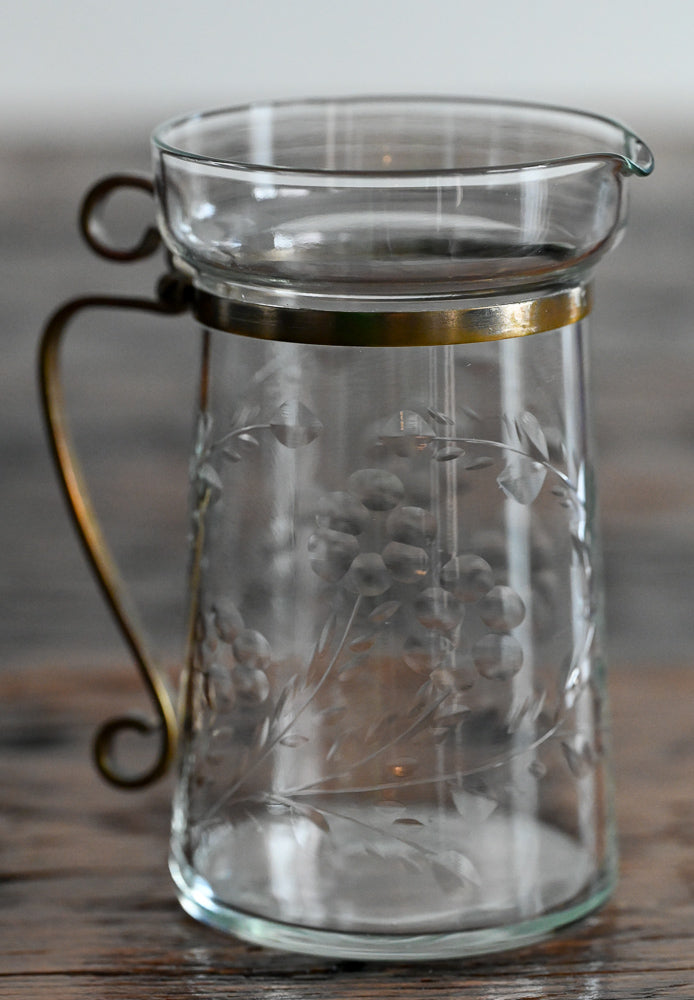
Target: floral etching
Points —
{"points": [[448, 628]]}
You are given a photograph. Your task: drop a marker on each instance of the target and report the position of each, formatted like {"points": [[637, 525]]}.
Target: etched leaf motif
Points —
{"points": [[350, 664], [532, 437], [483, 462], [412, 865], [580, 757], [317, 818], [203, 432], [371, 851], [390, 808], [460, 864], [328, 633], [472, 414], [420, 702], [426, 719], [247, 442], [438, 417], [523, 476], [448, 453], [384, 612], [406, 433], [294, 425], [208, 477], [294, 740], [580, 547], [285, 695], [362, 643], [522, 479], [263, 733], [577, 667], [332, 713], [528, 711], [473, 808], [321, 655], [447, 879], [302, 832]]}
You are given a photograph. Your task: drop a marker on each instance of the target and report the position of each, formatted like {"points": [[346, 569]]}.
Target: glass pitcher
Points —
{"points": [[391, 737]]}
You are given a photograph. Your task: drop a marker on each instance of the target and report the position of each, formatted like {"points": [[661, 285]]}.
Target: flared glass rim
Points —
{"points": [[629, 152]]}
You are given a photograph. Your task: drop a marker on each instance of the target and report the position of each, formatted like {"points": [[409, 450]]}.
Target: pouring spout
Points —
{"points": [[638, 158]]}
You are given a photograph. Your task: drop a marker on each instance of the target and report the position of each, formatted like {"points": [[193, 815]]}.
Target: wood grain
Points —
{"points": [[87, 907]]}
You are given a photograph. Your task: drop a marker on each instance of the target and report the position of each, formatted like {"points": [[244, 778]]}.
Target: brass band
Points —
{"points": [[478, 323]]}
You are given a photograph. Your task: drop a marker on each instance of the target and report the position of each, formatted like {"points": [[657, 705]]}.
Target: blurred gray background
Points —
{"points": [[81, 87]]}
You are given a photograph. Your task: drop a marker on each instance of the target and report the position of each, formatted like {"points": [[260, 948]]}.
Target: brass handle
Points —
{"points": [[171, 300]]}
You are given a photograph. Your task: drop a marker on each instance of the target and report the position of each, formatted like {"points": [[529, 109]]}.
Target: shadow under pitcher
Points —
{"points": [[391, 738]]}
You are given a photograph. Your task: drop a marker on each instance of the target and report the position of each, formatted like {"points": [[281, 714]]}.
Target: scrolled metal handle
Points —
{"points": [[88, 530], [172, 299], [93, 229]]}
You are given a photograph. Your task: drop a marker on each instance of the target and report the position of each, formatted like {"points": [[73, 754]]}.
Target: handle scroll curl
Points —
{"points": [[94, 230], [171, 300]]}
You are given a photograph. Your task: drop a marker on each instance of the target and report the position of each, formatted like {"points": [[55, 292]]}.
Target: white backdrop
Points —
{"points": [[90, 65]]}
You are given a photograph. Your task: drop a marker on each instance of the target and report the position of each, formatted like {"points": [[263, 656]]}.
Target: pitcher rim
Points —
{"points": [[634, 158]]}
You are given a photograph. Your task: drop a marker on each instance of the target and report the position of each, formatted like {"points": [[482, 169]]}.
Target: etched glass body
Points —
{"points": [[395, 693], [394, 737]]}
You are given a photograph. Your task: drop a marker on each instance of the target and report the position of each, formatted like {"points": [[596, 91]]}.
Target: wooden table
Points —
{"points": [[86, 905], [87, 908]]}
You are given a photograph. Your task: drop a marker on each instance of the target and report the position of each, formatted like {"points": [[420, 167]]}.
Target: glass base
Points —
{"points": [[384, 947], [372, 912]]}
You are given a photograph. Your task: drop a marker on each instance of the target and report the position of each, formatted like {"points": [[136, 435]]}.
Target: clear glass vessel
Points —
{"points": [[395, 739], [394, 734]]}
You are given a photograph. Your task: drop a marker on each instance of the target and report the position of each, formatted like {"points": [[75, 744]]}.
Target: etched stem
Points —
{"points": [[292, 722], [372, 828], [237, 433], [379, 750], [516, 451], [456, 775]]}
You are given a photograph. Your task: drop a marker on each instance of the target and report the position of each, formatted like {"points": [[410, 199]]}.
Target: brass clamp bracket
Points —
{"points": [[172, 298]]}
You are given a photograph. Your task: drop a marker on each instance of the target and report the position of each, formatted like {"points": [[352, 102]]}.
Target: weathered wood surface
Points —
{"points": [[86, 905], [87, 908]]}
